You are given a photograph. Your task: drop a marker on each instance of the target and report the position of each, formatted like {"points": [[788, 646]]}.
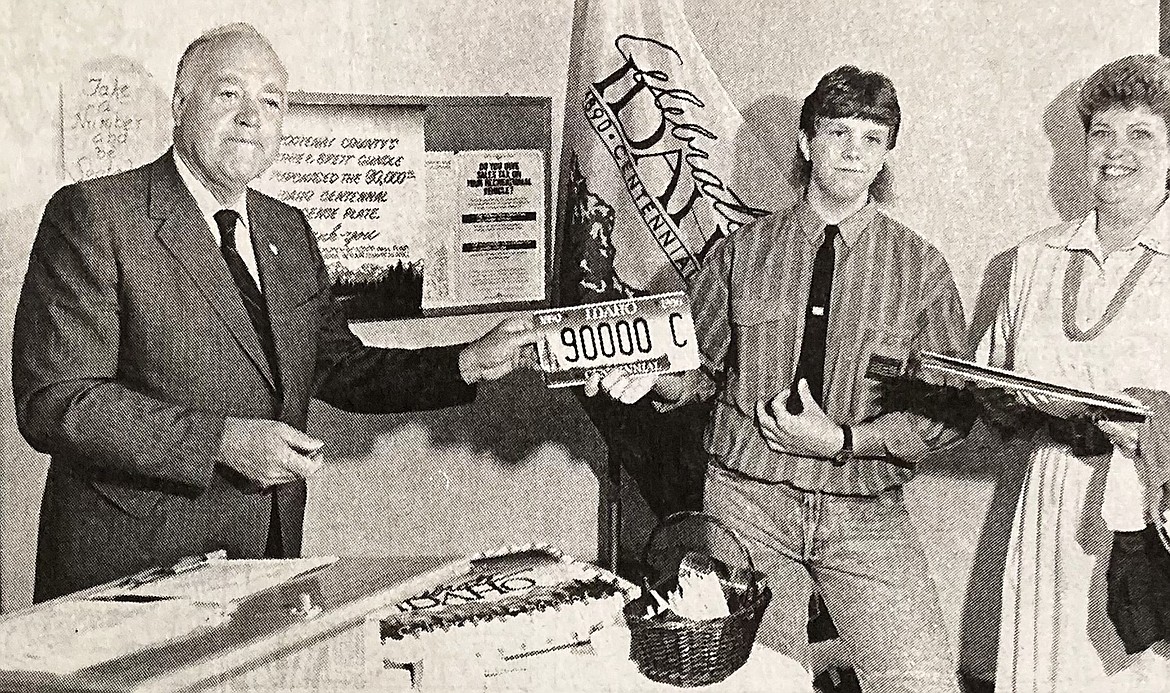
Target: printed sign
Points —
{"points": [[487, 230], [358, 177]]}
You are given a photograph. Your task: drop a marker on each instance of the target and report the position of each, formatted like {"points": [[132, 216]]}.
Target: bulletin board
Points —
{"points": [[423, 206]]}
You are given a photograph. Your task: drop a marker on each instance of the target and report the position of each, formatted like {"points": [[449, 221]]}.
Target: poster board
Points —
{"points": [[486, 229], [423, 206]]}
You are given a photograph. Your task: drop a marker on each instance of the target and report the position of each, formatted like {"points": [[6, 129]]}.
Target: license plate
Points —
{"points": [[652, 334]]}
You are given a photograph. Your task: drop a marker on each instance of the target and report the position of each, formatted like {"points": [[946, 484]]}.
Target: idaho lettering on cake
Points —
{"points": [[649, 334], [519, 599]]}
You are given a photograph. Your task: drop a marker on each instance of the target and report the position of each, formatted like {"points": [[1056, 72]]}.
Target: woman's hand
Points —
{"points": [[1055, 406], [1123, 435]]}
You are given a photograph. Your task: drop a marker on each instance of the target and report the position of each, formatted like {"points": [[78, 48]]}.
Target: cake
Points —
{"points": [[510, 603]]}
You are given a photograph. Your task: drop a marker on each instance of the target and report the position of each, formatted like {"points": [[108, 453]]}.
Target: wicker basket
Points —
{"points": [[680, 651]]}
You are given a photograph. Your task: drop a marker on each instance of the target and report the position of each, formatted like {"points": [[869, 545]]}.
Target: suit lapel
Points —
{"points": [[184, 233], [269, 235]]}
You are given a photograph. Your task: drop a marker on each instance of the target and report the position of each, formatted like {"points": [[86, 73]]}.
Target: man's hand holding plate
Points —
{"points": [[620, 385], [508, 346], [1123, 434], [1059, 407], [630, 388]]}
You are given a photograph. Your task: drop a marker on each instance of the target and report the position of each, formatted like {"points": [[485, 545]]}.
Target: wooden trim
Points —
{"points": [[326, 98]]}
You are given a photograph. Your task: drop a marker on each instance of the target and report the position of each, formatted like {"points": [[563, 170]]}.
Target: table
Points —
{"points": [[267, 646], [765, 671]]}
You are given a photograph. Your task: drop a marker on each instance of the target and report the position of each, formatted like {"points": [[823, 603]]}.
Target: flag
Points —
{"points": [[647, 155]]}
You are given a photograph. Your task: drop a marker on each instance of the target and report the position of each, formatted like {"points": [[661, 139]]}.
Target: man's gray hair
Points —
{"points": [[240, 29]]}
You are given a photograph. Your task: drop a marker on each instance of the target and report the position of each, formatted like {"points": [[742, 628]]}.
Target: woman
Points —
{"points": [[1087, 307]]}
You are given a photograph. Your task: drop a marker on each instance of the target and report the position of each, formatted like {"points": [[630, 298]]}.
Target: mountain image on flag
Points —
{"points": [[647, 153]]}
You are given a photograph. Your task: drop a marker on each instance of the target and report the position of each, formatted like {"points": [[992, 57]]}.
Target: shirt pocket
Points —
{"points": [[762, 345]]}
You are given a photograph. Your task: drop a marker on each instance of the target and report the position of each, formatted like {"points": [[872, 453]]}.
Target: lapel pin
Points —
{"points": [[272, 247]]}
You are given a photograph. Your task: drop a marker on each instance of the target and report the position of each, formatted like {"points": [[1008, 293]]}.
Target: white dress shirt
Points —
{"points": [[208, 206]]}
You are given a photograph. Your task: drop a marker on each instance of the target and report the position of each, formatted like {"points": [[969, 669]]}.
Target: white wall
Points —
{"points": [[984, 88], [974, 79]]}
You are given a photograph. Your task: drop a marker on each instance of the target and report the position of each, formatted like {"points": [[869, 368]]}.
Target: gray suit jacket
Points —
{"points": [[132, 344]]}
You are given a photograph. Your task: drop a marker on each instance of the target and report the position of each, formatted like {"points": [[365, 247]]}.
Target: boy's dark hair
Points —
{"points": [[849, 92]]}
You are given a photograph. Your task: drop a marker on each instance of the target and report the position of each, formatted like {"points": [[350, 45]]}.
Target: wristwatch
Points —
{"points": [[846, 452]]}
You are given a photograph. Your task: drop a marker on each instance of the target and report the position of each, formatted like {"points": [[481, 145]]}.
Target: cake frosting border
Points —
{"points": [[601, 585]]}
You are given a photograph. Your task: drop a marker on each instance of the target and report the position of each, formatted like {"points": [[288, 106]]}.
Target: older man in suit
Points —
{"points": [[171, 330]]}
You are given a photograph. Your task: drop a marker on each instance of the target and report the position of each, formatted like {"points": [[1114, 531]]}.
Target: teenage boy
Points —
{"points": [[798, 315]]}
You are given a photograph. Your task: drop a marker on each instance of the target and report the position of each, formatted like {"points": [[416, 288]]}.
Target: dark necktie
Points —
{"points": [[257, 307], [254, 301], [811, 365]]}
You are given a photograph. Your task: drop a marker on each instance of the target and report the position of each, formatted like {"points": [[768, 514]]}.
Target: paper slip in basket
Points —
{"points": [[651, 334]]}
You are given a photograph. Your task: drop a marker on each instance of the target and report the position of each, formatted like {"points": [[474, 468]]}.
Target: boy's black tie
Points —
{"points": [[811, 365]]}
